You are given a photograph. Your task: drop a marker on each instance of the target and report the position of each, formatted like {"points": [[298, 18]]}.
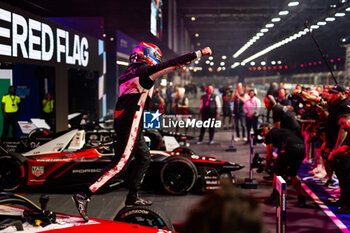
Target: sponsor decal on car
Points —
{"points": [[81, 171], [37, 170]]}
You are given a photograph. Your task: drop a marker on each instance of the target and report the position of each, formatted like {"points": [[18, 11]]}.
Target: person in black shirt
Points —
{"points": [[134, 84], [282, 116], [238, 100], [282, 99], [274, 92], [226, 107], [340, 159], [291, 152], [209, 109], [338, 105]]}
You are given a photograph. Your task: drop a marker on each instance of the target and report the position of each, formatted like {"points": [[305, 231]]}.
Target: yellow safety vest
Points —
{"points": [[11, 103], [48, 108]]}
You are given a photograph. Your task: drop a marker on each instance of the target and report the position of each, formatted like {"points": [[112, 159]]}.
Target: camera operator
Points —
{"points": [[338, 105], [291, 152], [340, 159], [157, 101]]}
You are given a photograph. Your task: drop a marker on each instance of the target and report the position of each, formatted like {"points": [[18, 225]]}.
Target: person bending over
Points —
{"points": [[291, 152]]}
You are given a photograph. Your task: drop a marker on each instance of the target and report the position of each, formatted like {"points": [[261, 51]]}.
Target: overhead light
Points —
{"points": [[242, 63], [224, 57], [222, 63], [207, 62], [241, 50], [193, 18], [339, 14], [347, 9], [264, 30], [330, 19], [314, 26], [252, 63], [269, 25], [260, 34], [122, 63], [283, 13], [290, 4], [321, 23], [234, 65], [196, 35], [275, 20], [210, 58]]}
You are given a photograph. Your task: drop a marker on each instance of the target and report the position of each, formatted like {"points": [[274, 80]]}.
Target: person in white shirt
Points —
{"points": [[251, 109]]}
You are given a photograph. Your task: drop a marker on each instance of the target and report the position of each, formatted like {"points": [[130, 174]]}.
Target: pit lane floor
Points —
{"points": [[299, 220]]}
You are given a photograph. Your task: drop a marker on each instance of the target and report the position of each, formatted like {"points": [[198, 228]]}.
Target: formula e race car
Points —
{"points": [[78, 155], [18, 213]]}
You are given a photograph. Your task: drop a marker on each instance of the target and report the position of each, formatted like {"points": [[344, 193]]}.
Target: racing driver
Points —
{"points": [[135, 85]]}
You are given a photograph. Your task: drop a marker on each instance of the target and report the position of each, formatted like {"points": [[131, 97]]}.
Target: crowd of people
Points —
{"points": [[307, 126], [310, 121]]}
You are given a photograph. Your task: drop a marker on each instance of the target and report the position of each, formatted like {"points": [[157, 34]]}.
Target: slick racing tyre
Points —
{"points": [[145, 216], [178, 175], [183, 151], [12, 172]]}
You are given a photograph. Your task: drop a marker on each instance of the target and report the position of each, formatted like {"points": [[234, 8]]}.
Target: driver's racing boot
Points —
{"points": [[135, 200], [81, 201]]}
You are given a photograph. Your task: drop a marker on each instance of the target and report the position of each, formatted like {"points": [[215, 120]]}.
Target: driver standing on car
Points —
{"points": [[135, 85]]}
